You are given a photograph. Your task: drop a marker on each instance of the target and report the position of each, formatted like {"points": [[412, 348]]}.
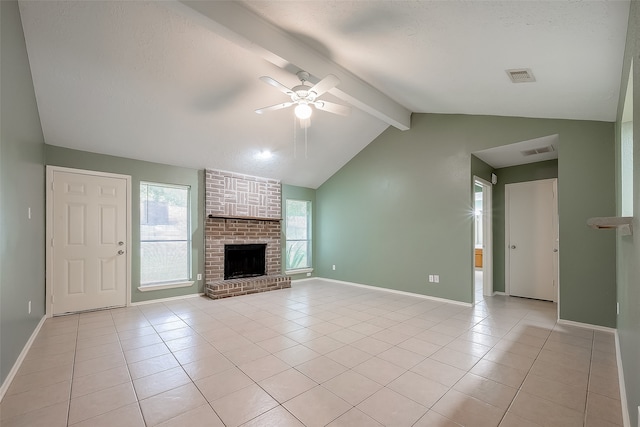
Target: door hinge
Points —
{"points": [[53, 299], [52, 241], [53, 186]]}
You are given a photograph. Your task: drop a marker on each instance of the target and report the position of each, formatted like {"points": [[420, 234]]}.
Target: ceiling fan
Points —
{"points": [[303, 96]]}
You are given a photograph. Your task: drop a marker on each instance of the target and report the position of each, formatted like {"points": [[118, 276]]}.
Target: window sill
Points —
{"points": [[161, 286], [299, 271]]}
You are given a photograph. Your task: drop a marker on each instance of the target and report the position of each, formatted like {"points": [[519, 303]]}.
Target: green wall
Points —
{"points": [[153, 172], [480, 169], [402, 209], [21, 188], [628, 247], [510, 175], [299, 193]]}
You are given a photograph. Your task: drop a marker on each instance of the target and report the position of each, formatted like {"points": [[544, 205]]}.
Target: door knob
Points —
{"points": [[120, 243], [513, 246], [120, 252], [555, 250]]}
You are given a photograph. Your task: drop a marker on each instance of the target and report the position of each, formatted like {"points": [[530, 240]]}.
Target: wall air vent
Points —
{"points": [[521, 75], [541, 150]]}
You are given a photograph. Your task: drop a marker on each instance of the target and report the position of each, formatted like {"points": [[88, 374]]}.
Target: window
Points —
{"points": [[165, 237], [298, 235]]}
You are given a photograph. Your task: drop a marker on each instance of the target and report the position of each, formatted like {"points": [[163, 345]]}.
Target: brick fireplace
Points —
{"points": [[242, 209]]}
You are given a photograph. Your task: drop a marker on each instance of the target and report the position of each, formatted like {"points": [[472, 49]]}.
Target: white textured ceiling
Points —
{"points": [[513, 154], [162, 82]]}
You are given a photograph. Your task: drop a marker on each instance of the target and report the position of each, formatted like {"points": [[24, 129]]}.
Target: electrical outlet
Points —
{"points": [[436, 278], [199, 276], [29, 213], [29, 307], [333, 267], [431, 278], [308, 274]]}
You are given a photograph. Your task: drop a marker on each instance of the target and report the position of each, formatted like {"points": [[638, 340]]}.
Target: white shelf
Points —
{"points": [[623, 223]]}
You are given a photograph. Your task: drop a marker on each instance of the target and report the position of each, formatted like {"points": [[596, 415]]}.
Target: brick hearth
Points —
{"points": [[248, 285]]}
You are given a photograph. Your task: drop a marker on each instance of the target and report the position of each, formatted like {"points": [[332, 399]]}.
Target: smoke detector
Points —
{"points": [[521, 75]]}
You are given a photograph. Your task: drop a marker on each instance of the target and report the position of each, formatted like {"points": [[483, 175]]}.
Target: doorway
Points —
{"points": [[482, 240], [531, 235], [88, 240]]}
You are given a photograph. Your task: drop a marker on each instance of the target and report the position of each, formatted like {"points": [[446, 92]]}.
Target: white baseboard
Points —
{"points": [[395, 291], [586, 326], [626, 419], [179, 297], [306, 279], [23, 354], [499, 293]]}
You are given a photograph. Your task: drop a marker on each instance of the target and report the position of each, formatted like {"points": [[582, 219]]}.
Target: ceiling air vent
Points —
{"points": [[541, 150], [521, 75]]}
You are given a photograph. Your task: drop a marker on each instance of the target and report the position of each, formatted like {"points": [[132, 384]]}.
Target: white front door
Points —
{"points": [[531, 239], [88, 241]]}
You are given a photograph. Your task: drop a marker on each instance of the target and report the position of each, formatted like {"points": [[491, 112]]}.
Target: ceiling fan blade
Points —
{"points": [[325, 84], [274, 107], [330, 107], [282, 88]]}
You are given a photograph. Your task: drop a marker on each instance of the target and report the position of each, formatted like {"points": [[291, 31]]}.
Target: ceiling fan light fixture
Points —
{"points": [[303, 111]]}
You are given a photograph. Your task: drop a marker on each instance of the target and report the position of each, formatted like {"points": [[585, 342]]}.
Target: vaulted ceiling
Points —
{"points": [[178, 82]]}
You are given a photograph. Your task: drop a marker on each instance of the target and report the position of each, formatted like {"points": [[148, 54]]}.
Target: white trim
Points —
{"points": [[395, 291], [306, 279], [299, 271], [161, 286], [23, 354], [160, 300], [556, 256], [487, 237], [626, 419], [507, 240], [499, 293], [586, 326], [49, 230]]}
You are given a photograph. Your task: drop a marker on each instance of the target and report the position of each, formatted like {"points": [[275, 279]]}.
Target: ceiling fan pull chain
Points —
{"points": [[305, 143], [295, 142]]}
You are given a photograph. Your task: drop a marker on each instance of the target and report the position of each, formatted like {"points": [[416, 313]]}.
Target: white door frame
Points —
{"points": [[556, 257], [487, 236], [507, 239], [49, 231]]}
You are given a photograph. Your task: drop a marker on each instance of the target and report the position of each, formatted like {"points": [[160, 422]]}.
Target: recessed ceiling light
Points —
{"points": [[264, 155]]}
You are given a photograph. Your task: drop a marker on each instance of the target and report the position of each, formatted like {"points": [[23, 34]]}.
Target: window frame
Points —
{"points": [[177, 283], [309, 239]]}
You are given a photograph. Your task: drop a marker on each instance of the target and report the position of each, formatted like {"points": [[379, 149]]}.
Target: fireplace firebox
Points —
{"points": [[244, 260]]}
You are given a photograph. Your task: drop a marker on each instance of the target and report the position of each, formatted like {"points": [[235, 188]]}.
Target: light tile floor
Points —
{"points": [[317, 354], [477, 284]]}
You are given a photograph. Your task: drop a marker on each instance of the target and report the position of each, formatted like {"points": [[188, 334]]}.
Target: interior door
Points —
{"points": [[531, 239], [89, 230]]}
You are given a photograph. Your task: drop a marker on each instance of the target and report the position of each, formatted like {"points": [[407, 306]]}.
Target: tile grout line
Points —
{"points": [[73, 369], [529, 373]]}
